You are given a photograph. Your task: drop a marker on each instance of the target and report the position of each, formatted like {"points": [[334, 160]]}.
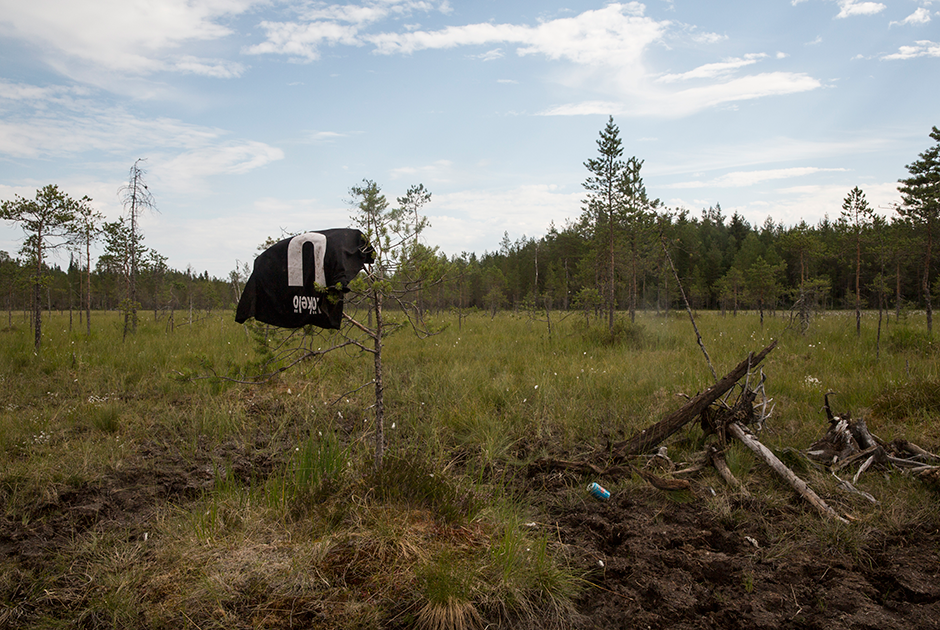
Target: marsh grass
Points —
{"points": [[284, 510]]}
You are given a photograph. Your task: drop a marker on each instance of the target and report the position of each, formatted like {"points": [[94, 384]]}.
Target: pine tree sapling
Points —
{"points": [[394, 278]]}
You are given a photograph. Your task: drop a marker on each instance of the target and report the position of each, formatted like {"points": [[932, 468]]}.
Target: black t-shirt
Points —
{"points": [[301, 280]]}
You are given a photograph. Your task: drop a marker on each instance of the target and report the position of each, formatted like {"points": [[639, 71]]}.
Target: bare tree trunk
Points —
{"points": [[927, 278], [379, 384], [37, 293]]}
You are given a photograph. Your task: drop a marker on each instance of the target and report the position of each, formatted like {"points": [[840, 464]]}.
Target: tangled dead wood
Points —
{"points": [[848, 442], [717, 417]]}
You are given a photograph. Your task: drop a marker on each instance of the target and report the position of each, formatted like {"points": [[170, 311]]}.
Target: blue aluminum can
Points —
{"points": [[598, 491]]}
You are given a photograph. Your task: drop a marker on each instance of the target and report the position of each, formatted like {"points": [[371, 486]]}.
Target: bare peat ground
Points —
{"points": [[662, 563], [655, 561]]}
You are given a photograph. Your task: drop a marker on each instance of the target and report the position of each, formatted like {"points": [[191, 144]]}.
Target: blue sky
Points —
{"points": [[256, 117]]}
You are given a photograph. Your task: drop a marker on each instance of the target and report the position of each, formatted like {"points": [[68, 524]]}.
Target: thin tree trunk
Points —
{"points": [[379, 384], [858, 273], [927, 277], [37, 293]]}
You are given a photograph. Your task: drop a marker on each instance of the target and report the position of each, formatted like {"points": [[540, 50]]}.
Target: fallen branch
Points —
{"points": [[766, 455], [587, 468], [649, 438]]}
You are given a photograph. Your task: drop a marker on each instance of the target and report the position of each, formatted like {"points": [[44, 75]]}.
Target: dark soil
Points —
{"points": [[655, 561], [659, 563]]}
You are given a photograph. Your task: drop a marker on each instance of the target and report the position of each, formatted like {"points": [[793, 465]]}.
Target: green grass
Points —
{"points": [[263, 497]]}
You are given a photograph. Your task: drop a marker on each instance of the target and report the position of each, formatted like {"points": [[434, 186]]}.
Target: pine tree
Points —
{"points": [[391, 278], [920, 194], [857, 216], [48, 221]]}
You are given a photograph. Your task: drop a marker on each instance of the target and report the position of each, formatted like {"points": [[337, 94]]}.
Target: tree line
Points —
{"points": [[625, 252], [128, 276]]}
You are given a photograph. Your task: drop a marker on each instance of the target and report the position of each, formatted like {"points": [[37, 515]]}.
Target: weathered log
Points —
{"points": [[767, 456], [857, 457], [859, 430], [649, 438], [901, 445]]}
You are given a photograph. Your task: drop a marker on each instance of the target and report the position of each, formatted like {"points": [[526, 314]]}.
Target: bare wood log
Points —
{"points": [[859, 430], [864, 467], [649, 438], [848, 461], [903, 445], [765, 454]]}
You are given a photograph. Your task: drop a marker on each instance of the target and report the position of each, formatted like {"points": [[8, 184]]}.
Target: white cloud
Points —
{"points": [[919, 16], [303, 41], [136, 37], [850, 8], [712, 70], [215, 68], [606, 47], [333, 24], [923, 48], [739, 179], [691, 100], [324, 136], [61, 123], [186, 172], [740, 89], [490, 55], [615, 35], [439, 171], [708, 38], [585, 108], [790, 205]]}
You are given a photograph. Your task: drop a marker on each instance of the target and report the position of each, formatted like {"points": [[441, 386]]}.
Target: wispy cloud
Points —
{"points": [[739, 179], [324, 24], [688, 101], [919, 16], [137, 38], [490, 55], [851, 8], [713, 70], [188, 170], [614, 35], [64, 123], [439, 171], [922, 48]]}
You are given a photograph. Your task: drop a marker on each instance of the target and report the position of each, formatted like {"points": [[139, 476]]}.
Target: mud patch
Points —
{"points": [[655, 563]]}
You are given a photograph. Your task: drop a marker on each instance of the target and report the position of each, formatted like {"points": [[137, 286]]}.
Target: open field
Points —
{"points": [[137, 494]]}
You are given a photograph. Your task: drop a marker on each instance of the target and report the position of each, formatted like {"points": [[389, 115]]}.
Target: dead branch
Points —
{"points": [[649, 438], [767, 456], [587, 468]]}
